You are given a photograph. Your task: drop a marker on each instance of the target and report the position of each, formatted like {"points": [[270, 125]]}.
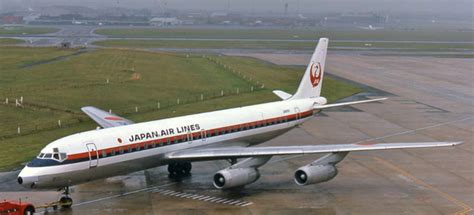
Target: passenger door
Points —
{"points": [[189, 137], [93, 155], [298, 113]]}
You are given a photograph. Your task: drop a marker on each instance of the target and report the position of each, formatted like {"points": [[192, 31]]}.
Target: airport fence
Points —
{"points": [[16, 127], [234, 71]]}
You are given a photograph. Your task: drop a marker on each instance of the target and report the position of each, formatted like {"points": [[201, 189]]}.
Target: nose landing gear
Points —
{"points": [[65, 201]]}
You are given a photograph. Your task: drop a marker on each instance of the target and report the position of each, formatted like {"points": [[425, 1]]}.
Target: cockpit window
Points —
{"points": [[62, 156], [56, 155]]}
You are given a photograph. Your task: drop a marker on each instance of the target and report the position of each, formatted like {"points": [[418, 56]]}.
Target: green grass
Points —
{"points": [[55, 83], [281, 45], [10, 41], [311, 34], [298, 39], [20, 30]]}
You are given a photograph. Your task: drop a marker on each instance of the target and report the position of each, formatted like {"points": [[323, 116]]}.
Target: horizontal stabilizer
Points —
{"points": [[227, 152], [104, 118], [283, 95], [318, 107]]}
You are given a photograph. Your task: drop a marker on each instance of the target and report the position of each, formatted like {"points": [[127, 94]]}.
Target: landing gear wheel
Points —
{"points": [[187, 168], [30, 210], [65, 201], [178, 170]]}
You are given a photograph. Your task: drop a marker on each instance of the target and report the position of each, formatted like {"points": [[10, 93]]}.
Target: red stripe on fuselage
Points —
{"points": [[195, 134]]}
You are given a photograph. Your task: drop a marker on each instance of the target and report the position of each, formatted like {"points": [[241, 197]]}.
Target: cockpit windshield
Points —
{"points": [[56, 155]]}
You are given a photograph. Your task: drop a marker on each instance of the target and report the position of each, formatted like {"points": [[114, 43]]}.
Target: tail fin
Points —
{"points": [[310, 86]]}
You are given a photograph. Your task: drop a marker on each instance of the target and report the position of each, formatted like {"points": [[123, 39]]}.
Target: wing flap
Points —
{"points": [[225, 153], [105, 119]]}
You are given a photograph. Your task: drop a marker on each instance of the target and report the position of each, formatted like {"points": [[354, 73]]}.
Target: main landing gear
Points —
{"points": [[65, 201], [179, 169]]}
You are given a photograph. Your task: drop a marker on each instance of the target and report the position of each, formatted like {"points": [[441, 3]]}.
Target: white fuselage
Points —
{"points": [[119, 150]]}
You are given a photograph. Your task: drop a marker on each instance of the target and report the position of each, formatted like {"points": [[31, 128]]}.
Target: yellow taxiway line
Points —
{"points": [[466, 208]]}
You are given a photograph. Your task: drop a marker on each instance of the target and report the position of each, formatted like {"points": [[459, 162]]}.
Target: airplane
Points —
{"points": [[75, 22], [121, 146], [370, 27]]}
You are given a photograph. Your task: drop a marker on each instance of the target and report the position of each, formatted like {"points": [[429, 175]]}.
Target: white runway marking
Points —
{"points": [[111, 197], [120, 195], [205, 198]]}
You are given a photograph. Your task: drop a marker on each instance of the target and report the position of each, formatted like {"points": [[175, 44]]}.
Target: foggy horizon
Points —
{"points": [[436, 7]]}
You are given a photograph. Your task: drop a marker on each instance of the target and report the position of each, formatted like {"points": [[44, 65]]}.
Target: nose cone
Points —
{"points": [[27, 179]]}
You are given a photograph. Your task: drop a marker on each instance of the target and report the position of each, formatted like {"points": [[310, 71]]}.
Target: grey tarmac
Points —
{"points": [[430, 99]]}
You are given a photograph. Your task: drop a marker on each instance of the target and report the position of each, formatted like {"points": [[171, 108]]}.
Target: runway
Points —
{"points": [[430, 99]]}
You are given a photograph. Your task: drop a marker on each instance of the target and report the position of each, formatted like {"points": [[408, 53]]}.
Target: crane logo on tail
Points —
{"points": [[315, 74]]}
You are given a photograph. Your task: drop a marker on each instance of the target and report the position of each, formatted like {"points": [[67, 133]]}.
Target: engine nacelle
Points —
{"points": [[228, 178], [320, 100], [311, 174]]}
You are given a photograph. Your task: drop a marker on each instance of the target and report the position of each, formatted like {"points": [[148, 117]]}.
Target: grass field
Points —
{"points": [[249, 33], [20, 30], [290, 39], [55, 83], [10, 41], [281, 45]]}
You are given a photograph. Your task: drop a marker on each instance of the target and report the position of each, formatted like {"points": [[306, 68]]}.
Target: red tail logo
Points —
{"points": [[315, 74]]}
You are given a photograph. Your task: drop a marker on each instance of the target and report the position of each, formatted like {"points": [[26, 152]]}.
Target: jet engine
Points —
{"points": [[228, 178], [312, 174]]}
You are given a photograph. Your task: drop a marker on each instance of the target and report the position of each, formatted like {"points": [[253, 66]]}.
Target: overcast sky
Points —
{"points": [[304, 6]]}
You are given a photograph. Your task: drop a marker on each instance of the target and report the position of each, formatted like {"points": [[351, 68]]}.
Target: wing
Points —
{"points": [[104, 118], [244, 152], [319, 107]]}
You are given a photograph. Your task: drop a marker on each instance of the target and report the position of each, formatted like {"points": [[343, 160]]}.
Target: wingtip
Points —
{"points": [[456, 143]]}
